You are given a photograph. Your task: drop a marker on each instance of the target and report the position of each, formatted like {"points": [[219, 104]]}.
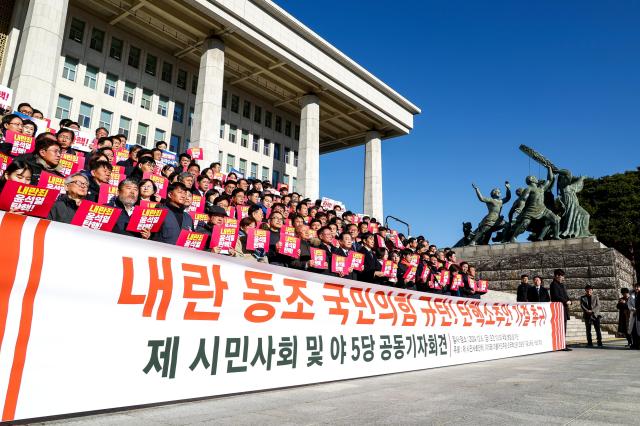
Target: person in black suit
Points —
{"points": [[344, 247], [371, 273], [523, 288], [325, 236], [537, 293], [558, 293]]}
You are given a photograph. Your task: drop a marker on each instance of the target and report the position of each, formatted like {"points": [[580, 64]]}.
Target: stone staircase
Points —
{"points": [[576, 332]]}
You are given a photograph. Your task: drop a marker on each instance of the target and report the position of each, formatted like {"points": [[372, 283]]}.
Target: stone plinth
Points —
{"points": [[585, 261]]}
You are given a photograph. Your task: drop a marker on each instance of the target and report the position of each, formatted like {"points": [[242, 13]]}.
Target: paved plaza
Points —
{"points": [[587, 386]]}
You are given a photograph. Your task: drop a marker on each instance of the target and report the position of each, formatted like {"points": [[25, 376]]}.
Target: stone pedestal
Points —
{"points": [[585, 261]]}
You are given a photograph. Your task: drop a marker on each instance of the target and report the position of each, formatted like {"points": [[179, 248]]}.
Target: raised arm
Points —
{"points": [[551, 178], [480, 197], [508, 196]]}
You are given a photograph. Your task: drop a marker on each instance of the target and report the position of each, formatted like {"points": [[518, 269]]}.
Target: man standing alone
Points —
{"points": [[590, 305], [559, 294], [523, 288]]}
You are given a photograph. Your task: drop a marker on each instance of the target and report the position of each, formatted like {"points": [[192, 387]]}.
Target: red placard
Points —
{"points": [[29, 199], [121, 155], [373, 227], [224, 236], [5, 160], [107, 192], [356, 260], [380, 240], [77, 160], [258, 239], [444, 277], [482, 286], [287, 231], [387, 268], [196, 216], [410, 274], [94, 216], [118, 170], [242, 212], [414, 259], [318, 258], [456, 283], [290, 246], [149, 204], [146, 218], [65, 167], [194, 240], [220, 176], [424, 273], [197, 204], [50, 181], [339, 265], [196, 153], [115, 179], [162, 183], [231, 212], [472, 283], [22, 144]]}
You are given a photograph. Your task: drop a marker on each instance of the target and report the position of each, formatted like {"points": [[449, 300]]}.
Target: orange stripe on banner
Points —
{"points": [[554, 332], [10, 230], [15, 378], [563, 332]]}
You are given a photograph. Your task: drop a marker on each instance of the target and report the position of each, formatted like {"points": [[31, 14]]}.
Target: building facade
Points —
{"points": [[243, 80]]}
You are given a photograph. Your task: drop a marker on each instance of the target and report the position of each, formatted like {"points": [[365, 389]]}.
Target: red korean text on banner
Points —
{"points": [[22, 144], [83, 141], [77, 160], [196, 153], [162, 183], [456, 282], [31, 200], [94, 216], [482, 286], [197, 204], [197, 217], [339, 265], [146, 218], [410, 274], [258, 239], [356, 260], [5, 160], [318, 258], [65, 167], [290, 246], [107, 192], [224, 236], [50, 181], [387, 268], [242, 212], [194, 240], [287, 231], [373, 227]]}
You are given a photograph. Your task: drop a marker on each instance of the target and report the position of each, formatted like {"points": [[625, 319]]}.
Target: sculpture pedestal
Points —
{"points": [[585, 261]]}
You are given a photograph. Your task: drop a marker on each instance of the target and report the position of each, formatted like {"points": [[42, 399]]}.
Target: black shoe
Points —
{"points": [[590, 345], [600, 345], [567, 349]]}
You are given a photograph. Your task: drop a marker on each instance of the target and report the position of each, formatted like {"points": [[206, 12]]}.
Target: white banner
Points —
{"points": [[97, 320]]}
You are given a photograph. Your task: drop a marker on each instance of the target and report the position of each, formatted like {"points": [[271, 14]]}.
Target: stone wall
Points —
{"points": [[585, 261]]}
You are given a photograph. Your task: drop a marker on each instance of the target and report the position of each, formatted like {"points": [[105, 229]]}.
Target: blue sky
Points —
{"points": [[560, 76]]}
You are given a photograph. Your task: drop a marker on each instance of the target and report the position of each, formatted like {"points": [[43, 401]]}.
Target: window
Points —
{"points": [[182, 79], [191, 117], [110, 84], [160, 136], [70, 68], [297, 133], [224, 99], [295, 158], [222, 126], [233, 129], [267, 119], [147, 96], [163, 106], [151, 65], [275, 178], [134, 57], [125, 126], [105, 119], [266, 147], [243, 167], [235, 103], [276, 151], [255, 145], [285, 179], [265, 173], [97, 39], [76, 32], [84, 117], [167, 72], [129, 92], [91, 77], [246, 109], [278, 124], [141, 137], [287, 128], [63, 109], [231, 162], [254, 170], [174, 143], [178, 112], [294, 184], [115, 51], [244, 139], [287, 154], [194, 84], [257, 114]]}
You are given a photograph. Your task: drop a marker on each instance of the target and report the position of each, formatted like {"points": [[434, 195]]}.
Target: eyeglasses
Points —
{"points": [[55, 152], [80, 183], [16, 123]]}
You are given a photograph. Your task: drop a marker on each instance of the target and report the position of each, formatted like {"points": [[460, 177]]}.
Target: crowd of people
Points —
{"points": [[416, 264]]}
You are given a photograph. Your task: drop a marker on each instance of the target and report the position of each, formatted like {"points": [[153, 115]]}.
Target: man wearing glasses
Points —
{"points": [[46, 157], [67, 204]]}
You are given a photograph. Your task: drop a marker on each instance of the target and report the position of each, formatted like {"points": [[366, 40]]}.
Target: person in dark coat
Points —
{"points": [[537, 293], [177, 218], [403, 267], [100, 173], [372, 268], [45, 157], [344, 247], [523, 288], [590, 305], [276, 220], [66, 206], [325, 236], [126, 200], [623, 315], [130, 163], [558, 293]]}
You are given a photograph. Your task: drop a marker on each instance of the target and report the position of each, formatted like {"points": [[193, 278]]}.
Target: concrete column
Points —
{"points": [[309, 148], [373, 176], [35, 72], [205, 131]]}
